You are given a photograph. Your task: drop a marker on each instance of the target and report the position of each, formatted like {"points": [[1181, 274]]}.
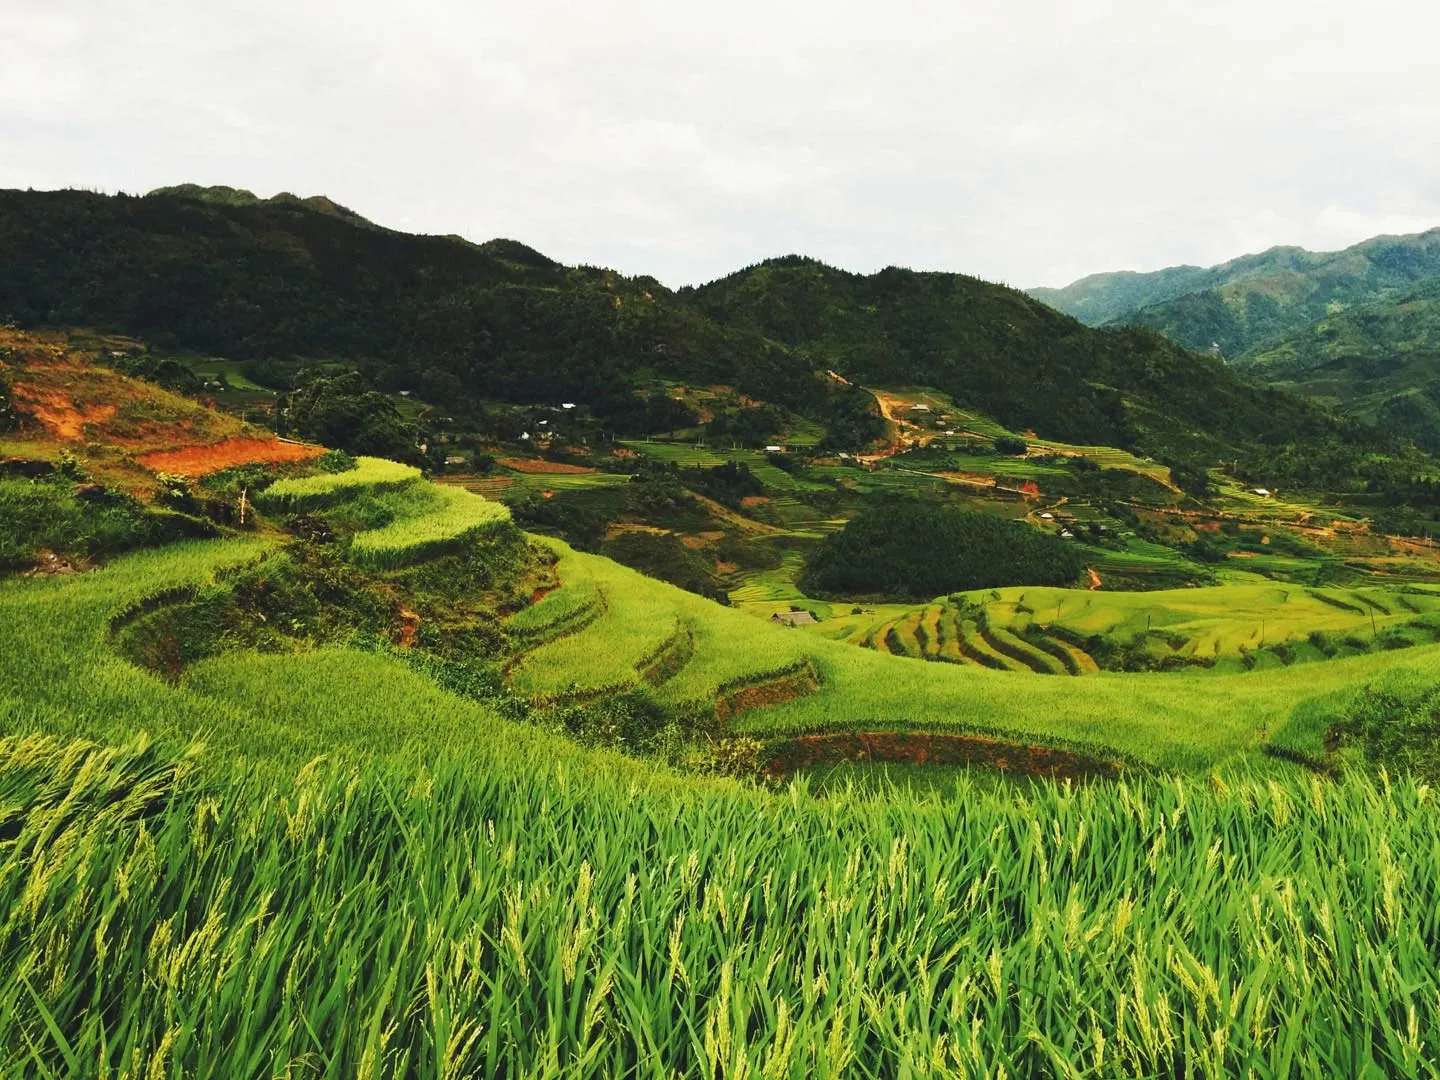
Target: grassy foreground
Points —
{"points": [[364, 875], [499, 913]]}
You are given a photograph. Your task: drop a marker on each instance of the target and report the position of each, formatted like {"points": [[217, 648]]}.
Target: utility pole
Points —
{"points": [[243, 504]]}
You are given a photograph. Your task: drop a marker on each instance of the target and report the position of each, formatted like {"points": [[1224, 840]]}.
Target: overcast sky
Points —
{"points": [[1027, 142]]}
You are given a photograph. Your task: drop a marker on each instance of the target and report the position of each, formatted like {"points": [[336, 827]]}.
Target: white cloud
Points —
{"points": [[1030, 142]]}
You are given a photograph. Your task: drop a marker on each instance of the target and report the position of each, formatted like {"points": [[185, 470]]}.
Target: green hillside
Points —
{"points": [[1248, 302], [224, 274], [381, 863], [1379, 361], [1097, 299], [1253, 300]]}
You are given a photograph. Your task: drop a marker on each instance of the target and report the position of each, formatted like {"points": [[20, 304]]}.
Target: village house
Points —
{"points": [[793, 618]]}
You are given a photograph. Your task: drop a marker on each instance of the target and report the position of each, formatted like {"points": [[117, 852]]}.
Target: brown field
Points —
{"points": [[203, 460], [121, 430], [540, 467]]}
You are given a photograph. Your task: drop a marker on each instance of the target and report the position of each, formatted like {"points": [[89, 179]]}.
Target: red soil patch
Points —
{"points": [[754, 500], [921, 749], [1095, 582], [203, 460], [58, 414], [775, 692], [409, 627], [540, 467]]}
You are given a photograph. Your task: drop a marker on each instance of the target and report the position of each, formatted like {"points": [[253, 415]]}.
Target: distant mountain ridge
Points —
{"points": [[1379, 361], [1358, 329], [296, 280], [1252, 300]]}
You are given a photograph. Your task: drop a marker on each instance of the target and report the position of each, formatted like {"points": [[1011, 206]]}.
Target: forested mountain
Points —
{"points": [[1248, 302], [221, 271], [1001, 352], [1379, 361], [1097, 299]]}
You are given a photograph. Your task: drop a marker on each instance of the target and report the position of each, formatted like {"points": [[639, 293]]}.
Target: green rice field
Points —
{"points": [[323, 863]]}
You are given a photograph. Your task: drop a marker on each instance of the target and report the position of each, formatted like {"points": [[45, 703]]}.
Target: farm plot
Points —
{"points": [[458, 515], [304, 493]]}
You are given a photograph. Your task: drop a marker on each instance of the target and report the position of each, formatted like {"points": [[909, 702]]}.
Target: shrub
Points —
{"points": [[335, 461], [1009, 444]]}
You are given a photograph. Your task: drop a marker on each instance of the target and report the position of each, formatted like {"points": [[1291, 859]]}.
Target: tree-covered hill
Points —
{"points": [[1001, 352], [1379, 361], [221, 271], [1247, 302]]}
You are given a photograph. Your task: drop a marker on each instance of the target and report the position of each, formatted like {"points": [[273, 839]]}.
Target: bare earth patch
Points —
{"points": [[539, 467], [57, 414], [203, 460]]}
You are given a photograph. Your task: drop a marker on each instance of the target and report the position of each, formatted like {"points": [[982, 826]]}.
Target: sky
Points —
{"points": [[1024, 141]]}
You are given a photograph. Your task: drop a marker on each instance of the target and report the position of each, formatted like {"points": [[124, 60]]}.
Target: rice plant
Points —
{"points": [[517, 911], [459, 514], [304, 493]]}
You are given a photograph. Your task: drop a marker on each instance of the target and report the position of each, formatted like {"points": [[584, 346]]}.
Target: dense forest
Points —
{"points": [[288, 282], [915, 551]]}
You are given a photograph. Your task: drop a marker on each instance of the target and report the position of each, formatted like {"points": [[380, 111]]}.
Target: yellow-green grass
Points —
{"points": [[689, 456], [528, 482], [1215, 622], [639, 617], [481, 896], [457, 515], [1187, 720], [325, 489], [514, 907]]}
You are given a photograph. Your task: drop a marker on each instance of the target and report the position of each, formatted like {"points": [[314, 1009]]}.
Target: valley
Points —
{"points": [[722, 716]]}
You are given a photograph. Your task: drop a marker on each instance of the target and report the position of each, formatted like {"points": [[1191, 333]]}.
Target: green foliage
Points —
{"points": [[852, 422], [55, 514], [336, 461], [1009, 444], [164, 371], [342, 411], [917, 550], [727, 484]]}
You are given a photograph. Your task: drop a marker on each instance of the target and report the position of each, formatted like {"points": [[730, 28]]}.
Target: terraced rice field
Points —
{"points": [[1048, 631]]}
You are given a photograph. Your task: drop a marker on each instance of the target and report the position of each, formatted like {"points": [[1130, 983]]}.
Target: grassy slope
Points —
{"points": [[445, 892], [488, 896], [1380, 362], [1183, 720], [1243, 302]]}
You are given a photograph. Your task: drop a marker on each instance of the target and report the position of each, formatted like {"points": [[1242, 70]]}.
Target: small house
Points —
{"points": [[793, 618], [774, 449], [1047, 517], [1264, 493], [567, 405]]}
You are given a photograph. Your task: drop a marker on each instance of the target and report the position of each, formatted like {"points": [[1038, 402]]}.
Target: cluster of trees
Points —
{"points": [[916, 551], [343, 412]]}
